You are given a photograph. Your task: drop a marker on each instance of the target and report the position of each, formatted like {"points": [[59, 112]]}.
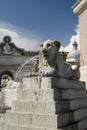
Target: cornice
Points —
{"points": [[79, 6]]}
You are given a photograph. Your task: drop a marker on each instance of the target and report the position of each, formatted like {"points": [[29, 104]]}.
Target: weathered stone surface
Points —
{"points": [[41, 107], [45, 120], [52, 82], [2, 127], [80, 114], [72, 117], [40, 94], [71, 127], [78, 104], [71, 105], [34, 107], [81, 125], [2, 121], [31, 82], [61, 83], [51, 94], [36, 120], [12, 127], [74, 94], [9, 95], [80, 8]]}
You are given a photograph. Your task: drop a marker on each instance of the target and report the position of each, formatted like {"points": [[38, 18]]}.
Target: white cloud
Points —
{"points": [[31, 42], [73, 38], [28, 40]]}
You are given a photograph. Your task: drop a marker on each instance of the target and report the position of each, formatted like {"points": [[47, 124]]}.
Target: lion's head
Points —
{"points": [[49, 49]]}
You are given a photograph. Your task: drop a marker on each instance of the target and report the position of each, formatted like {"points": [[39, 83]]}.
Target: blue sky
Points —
{"points": [[39, 19]]}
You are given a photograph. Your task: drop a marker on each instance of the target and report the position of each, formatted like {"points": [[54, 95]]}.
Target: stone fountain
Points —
{"points": [[51, 99]]}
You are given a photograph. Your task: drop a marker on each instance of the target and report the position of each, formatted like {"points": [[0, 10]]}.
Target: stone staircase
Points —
{"points": [[49, 104]]}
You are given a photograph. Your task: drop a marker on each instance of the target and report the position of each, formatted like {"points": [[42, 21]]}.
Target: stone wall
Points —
{"points": [[83, 37], [80, 8]]}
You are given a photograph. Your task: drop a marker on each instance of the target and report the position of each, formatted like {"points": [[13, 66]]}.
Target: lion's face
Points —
{"points": [[48, 49]]}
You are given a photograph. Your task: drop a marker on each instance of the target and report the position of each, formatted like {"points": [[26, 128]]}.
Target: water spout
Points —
{"points": [[32, 62]]}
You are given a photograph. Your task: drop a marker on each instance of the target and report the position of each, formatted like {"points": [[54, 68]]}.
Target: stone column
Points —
{"points": [[80, 8]]}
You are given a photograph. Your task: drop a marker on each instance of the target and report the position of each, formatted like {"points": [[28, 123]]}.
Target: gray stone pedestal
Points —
{"points": [[49, 104]]}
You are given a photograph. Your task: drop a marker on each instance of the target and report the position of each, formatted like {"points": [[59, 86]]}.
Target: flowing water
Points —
{"points": [[31, 62]]}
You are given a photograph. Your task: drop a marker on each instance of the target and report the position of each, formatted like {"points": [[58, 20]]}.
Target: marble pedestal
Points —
{"points": [[47, 103]]}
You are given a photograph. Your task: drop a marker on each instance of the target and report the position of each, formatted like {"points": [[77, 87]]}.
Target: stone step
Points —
{"points": [[36, 120], [81, 125], [46, 120], [72, 117], [41, 107], [39, 94], [70, 105], [2, 127], [12, 127], [9, 96], [52, 82], [77, 104], [72, 127], [2, 118], [2, 121], [74, 94], [49, 107], [48, 104], [50, 94], [61, 106], [61, 83]]}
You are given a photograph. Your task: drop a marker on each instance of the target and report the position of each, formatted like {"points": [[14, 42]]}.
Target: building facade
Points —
{"points": [[80, 8], [11, 57]]}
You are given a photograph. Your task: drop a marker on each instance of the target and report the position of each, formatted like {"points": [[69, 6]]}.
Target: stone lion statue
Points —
{"points": [[51, 62]]}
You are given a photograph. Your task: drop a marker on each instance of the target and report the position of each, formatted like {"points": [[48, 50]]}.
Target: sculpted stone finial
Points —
{"points": [[51, 62], [7, 39], [6, 49]]}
